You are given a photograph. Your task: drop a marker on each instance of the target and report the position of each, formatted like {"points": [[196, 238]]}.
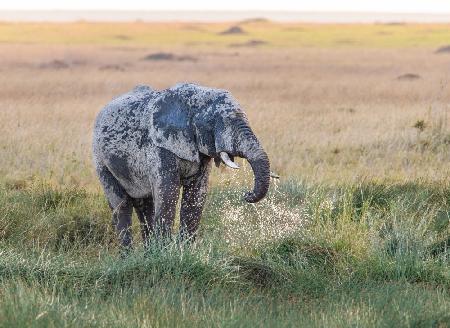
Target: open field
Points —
{"points": [[292, 35], [355, 118]]}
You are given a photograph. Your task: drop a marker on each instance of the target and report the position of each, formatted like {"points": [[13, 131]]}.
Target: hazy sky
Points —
{"points": [[403, 6]]}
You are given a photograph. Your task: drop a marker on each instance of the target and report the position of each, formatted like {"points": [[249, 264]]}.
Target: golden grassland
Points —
{"points": [[325, 100], [292, 35], [356, 115]]}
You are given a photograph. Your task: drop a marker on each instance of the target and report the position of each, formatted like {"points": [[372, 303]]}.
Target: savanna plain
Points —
{"points": [[355, 120]]}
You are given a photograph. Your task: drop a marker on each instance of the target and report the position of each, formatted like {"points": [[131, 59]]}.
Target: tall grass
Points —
{"points": [[361, 241], [367, 254]]}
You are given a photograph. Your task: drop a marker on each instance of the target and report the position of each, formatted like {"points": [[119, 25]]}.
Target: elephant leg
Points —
{"points": [[145, 212], [165, 200], [165, 209], [122, 223], [166, 190], [192, 201], [120, 203]]}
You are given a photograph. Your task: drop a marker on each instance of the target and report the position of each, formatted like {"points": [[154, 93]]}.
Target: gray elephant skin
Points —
{"points": [[149, 144]]}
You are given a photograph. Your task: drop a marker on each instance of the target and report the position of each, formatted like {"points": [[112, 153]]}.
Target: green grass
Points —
{"points": [[372, 254], [198, 35]]}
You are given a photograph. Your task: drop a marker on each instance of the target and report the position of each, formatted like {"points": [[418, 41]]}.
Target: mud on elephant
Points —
{"points": [[148, 145]]}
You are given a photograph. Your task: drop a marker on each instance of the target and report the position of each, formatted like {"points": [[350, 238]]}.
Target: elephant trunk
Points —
{"points": [[261, 171], [259, 161]]}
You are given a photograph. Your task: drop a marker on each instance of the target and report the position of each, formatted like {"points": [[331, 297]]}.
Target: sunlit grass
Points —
{"points": [[202, 35], [368, 255], [355, 233]]}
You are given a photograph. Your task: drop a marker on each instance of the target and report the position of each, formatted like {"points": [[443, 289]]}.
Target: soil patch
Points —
{"points": [[250, 43], [55, 64], [408, 77], [117, 68], [123, 37], [167, 56], [443, 50]]}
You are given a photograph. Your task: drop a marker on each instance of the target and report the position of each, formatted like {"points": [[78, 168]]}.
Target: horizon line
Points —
{"points": [[234, 10], [67, 15]]}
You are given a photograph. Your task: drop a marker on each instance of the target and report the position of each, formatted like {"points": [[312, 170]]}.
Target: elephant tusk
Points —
{"points": [[228, 162], [274, 175]]}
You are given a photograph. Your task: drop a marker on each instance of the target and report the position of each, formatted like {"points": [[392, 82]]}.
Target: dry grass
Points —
{"points": [[322, 113], [359, 242], [206, 35]]}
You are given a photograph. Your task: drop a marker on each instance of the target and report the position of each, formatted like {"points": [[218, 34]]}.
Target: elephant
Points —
{"points": [[150, 144]]}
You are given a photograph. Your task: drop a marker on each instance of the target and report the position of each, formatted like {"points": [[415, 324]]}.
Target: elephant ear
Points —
{"points": [[173, 129]]}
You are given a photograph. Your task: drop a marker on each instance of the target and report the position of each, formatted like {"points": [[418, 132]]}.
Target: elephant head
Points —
{"points": [[191, 120]]}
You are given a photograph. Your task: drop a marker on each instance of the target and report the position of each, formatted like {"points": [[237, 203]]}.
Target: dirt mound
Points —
{"points": [[250, 43], [443, 50], [55, 64], [118, 68], [394, 23], [408, 77], [255, 20], [167, 56], [122, 37], [233, 30]]}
